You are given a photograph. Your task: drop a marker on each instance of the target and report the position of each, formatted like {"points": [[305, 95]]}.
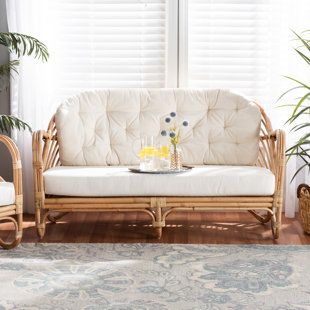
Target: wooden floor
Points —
{"points": [[205, 228]]}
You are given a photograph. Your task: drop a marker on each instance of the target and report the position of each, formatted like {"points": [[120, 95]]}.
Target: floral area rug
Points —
{"points": [[154, 276]]}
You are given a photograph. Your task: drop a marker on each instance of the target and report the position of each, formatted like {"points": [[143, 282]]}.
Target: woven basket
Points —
{"points": [[303, 194]]}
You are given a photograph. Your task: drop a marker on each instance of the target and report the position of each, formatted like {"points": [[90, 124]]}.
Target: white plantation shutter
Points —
{"points": [[230, 44], [106, 43]]}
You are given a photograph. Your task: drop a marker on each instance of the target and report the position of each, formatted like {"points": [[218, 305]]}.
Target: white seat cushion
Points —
{"points": [[7, 193], [200, 181]]}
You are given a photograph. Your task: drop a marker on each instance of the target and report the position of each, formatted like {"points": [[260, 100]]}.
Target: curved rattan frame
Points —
{"points": [[271, 156], [13, 213]]}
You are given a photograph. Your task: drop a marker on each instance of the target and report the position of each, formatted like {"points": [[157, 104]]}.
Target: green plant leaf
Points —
{"points": [[8, 122], [303, 152], [7, 68], [22, 45], [295, 146], [300, 103], [300, 126], [294, 117], [304, 137], [288, 91], [301, 83], [304, 42], [303, 56], [293, 149], [298, 170], [288, 105]]}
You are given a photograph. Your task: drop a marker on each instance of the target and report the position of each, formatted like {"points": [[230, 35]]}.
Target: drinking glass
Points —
{"points": [[164, 157], [147, 154]]}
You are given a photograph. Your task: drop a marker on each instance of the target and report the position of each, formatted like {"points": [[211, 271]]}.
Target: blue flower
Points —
{"points": [[172, 134], [173, 114], [185, 123], [163, 133], [167, 119]]}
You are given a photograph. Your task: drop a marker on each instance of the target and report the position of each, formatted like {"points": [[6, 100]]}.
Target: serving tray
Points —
{"points": [[182, 170]]}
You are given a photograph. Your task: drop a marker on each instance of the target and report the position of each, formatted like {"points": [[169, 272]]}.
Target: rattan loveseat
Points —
{"points": [[80, 162]]}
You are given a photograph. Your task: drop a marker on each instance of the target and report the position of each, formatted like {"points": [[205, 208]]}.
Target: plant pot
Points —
{"points": [[303, 194]]}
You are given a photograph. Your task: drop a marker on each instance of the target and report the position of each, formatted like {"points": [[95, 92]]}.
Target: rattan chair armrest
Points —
{"points": [[37, 148], [45, 155], [280, 145], [38, 142], [16, 163]]}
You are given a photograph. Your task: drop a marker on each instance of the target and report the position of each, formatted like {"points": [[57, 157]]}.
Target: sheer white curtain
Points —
{"points": [[247, 46], [31, 89], [92, 44]]}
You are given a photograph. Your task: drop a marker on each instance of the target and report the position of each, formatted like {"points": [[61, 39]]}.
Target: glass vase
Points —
{"points": [[175, 157]]}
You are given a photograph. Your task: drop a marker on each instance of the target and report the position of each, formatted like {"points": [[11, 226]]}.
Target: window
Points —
{"points": [[230, 44], [161, 43], [105, 43]]}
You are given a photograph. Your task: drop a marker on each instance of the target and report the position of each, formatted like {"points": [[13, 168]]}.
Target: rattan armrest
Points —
{"points": [[37, 148], [16, 164], [38, 163], [280, 146]]}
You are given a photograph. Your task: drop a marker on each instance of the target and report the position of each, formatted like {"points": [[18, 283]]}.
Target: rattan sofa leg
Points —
{"points": [[276, 220], [40, 222], [158, 203], [274, 227], [261, 218], [41, 230], [159, 232], [53, 218]]}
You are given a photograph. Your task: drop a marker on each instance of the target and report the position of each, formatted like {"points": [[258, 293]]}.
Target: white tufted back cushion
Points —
{"points": [[104, 127]]}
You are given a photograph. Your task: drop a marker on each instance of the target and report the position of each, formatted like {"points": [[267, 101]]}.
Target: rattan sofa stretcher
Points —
{"points": [[46, 155]]}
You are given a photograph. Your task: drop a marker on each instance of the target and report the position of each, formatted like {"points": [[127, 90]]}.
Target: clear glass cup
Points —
{"points": [[164, 157], [147, 154]]}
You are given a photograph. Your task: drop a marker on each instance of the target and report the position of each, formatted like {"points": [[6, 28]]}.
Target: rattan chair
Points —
{"points": [[11, 202]]}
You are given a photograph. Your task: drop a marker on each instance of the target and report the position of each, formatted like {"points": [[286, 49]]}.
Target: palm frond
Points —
{"points": [[8, 122], [303, 56], [298, 170], [299, 103], [302, 152], [301, 112], [301, 83], [300, 126], [304, 41], [7, 68], [288, 91], [22, 45]]}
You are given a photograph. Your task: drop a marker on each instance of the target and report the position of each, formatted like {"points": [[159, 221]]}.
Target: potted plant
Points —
{"points": [[300, 123], [20, 45]]}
